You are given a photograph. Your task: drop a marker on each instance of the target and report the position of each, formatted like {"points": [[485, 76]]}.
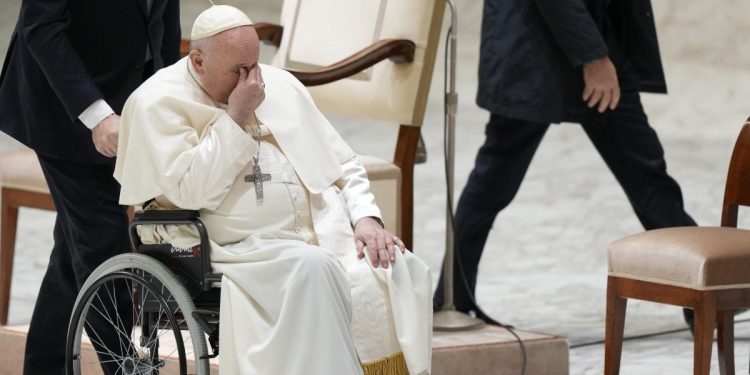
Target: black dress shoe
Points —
{"points": [[480, 314], [689, 319], [476, 312]]}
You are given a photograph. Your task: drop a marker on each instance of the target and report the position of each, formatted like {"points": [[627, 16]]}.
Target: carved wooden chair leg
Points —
{"points": [[725, 328], [615, 325], [705, 322]]}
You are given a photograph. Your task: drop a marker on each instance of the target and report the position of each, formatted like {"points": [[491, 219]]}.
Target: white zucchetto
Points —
{"points": [[216, 19]]}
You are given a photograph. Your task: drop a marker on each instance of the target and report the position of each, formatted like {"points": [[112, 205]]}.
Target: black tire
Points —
{"points": [[153, 308]]}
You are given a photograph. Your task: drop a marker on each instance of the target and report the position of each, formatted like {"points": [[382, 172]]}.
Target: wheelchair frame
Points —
{"points": [[166, 283]]}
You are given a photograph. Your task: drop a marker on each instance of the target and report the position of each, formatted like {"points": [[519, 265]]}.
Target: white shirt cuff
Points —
{"points": [[95, 113]]}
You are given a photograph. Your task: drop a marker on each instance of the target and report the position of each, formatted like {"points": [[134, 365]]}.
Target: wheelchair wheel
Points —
{"points": [[133, 317]]}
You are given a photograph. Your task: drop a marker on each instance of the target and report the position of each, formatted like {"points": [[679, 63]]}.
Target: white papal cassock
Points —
{"points": [[295, 300]]}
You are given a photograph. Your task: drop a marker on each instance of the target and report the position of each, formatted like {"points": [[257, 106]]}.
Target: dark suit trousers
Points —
{"points": [[626, 142], [90, 228]]}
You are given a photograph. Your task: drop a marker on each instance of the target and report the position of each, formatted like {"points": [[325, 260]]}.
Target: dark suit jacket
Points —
{"points": [[66, 54], [532, 52]]}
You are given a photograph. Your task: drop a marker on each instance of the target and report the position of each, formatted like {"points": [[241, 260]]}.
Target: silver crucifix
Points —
{"points": [[257, 178]]}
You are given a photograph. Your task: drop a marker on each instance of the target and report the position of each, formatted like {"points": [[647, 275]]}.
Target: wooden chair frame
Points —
{"points": [[713, 308], [12, 200]]}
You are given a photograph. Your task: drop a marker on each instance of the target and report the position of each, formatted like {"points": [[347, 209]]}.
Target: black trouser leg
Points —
{"points": [[90, 228], [632, 151], [499, 168]]}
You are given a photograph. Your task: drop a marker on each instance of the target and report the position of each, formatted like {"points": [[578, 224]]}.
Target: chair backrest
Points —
{"points": [[322, 32], [737, 192]]}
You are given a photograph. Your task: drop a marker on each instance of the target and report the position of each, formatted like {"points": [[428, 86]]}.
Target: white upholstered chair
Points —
{"points": [[370, 59]]}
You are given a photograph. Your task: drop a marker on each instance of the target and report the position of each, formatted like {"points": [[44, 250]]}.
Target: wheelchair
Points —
{"points": [[148, 312]]}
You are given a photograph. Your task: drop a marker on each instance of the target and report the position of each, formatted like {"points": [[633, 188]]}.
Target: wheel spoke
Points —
{"points": [[113, 298], [120, 331], [156, 314], [98, 341]]}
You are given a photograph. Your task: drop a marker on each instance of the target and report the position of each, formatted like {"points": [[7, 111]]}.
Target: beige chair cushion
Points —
{"points": [[385, 184], [21, 170], [702, 258], [379, 169]]}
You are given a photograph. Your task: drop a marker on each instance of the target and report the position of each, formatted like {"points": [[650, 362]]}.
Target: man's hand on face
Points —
{"points": [[247, 95], [105, 135], [602, 88], [381, 244]]}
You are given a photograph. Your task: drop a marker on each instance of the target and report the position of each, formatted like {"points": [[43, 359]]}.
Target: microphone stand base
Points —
{"points": [[452, 320]]}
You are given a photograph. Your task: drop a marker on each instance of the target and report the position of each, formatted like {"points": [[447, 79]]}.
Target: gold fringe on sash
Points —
{"points": [[394, 364]]}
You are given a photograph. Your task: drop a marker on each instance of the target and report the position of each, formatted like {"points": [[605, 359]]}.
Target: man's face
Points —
{"points": [[223, 58]]}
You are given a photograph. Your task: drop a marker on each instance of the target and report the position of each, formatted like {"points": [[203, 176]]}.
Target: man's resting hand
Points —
{"points": [[379, 243], [105, 135]]}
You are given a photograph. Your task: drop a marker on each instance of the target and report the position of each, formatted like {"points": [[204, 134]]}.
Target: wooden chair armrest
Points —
{"points": [[397, 50], [269, 33], [184, 47]]}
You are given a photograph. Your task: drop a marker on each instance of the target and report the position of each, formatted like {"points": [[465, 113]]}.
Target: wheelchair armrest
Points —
{"points": [[176, 217], [397, 50], [269, 33], [162, 215], [167, 217]]}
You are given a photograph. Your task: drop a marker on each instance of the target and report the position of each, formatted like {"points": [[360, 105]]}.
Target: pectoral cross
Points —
{"points": [[257, 178]]}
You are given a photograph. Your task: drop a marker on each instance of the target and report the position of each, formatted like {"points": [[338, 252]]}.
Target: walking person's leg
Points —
{"points": [[632, 151], [499, 169]]}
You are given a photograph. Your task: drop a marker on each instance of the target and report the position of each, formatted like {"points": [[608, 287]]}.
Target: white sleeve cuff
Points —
{"points": [[95, 113]]}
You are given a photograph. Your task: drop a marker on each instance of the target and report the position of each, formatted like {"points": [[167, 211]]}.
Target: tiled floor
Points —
{"points": [[544, 267]]}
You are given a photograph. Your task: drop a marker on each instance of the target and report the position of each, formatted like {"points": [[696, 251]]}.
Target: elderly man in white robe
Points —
{"points": [[312, 284]]}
